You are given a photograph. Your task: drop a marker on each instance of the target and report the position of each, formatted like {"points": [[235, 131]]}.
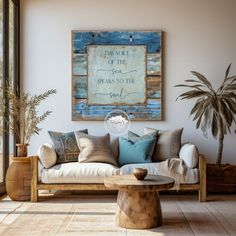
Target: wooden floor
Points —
{"points": [[73, 214]]}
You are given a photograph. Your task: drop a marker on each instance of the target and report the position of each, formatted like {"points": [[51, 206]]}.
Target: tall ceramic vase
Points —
{"points": [[21, 150]]}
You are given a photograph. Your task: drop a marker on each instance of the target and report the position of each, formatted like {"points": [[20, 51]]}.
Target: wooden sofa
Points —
{"points": [[36, 185]]}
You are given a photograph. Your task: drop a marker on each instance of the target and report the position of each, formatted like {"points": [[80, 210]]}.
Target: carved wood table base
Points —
{"points": [[138, 210], [138, 203]]}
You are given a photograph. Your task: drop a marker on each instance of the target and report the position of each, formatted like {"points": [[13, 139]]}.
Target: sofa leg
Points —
{"points": [[34, 180], [202, 195], [34, 195], [202, 170]]}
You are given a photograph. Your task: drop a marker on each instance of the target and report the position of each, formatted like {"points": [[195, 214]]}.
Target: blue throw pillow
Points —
{"points": [[138, 151], [135, 137]]}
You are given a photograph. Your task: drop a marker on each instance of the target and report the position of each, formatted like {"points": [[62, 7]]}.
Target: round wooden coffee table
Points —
{"points": [[138, 201]]}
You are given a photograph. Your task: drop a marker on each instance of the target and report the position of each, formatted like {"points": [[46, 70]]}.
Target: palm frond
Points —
{"points": [[203, 79], [196, 86], [207, 120], [213, 110], [214, 125], [227, 71], [230, 104], [199, 112], [231, 79], [191, 80], [230, 87], [197, 105], [226, 114], [193, 94]]}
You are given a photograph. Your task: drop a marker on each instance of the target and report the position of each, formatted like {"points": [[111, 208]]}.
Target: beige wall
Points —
{"points": [[199, 35]]}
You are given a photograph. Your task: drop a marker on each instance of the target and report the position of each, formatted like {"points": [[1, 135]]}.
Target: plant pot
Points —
{"points": [[221, 178], [21, 150], [18, 179]]}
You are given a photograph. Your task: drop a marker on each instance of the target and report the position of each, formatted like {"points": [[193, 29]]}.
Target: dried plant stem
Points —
{"points": [[23, 116]]}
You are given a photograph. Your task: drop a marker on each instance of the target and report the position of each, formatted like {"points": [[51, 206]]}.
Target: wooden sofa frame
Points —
{"points": [[36, 185]]}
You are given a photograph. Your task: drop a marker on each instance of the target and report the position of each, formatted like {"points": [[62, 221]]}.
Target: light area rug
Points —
{"points": [[71, 214]]}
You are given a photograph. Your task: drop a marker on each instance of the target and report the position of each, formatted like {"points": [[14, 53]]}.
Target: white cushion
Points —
{"points": [[47, 155], [156, 168], [189, 153], [75, 172]]}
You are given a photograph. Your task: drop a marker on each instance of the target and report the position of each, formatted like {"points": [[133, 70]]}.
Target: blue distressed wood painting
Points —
{"points": [[116, 70]]}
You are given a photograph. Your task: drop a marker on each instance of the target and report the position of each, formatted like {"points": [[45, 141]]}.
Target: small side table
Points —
{"points": [[18, 179], [138, 203]]}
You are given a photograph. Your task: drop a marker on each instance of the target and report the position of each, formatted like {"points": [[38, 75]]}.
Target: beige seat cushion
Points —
{"points": [[95, 148], [75, 172]]}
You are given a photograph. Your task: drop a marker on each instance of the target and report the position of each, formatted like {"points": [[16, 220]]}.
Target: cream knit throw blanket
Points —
{"points": [[176, 169]]}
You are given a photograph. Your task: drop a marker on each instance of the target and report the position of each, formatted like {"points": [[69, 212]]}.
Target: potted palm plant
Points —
{"points": [[23, 117], [214, 110]]}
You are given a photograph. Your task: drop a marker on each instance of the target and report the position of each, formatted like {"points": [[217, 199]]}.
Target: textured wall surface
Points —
{"points": [[198, 35]]}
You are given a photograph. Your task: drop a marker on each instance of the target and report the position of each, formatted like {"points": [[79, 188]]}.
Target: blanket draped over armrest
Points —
{"points": [[178, 170]]}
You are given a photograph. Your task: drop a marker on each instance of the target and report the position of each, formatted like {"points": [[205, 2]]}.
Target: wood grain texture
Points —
{"points": [[72, 187], [221, 178], [138, 210], [35, 186], [202, 178], [18, 179], [94, 215], [81, 110], [138, 200], [34, 181], [129, 182], [154, 87]]}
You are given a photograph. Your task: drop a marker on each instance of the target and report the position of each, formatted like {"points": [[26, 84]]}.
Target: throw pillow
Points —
{"points": [[189, 153], [95, 148], [65, 146], [115, 147], [154, 131], [168, 144], [47, 155], [135, 137], [139, 150]]}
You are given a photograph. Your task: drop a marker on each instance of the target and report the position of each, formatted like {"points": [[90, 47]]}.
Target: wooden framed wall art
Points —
{"points": [[117, 70]]}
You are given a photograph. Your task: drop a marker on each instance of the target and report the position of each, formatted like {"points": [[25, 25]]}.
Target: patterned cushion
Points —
{"points": [[65, 146]]}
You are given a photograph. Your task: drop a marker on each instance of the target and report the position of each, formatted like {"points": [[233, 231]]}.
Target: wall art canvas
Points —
{"points": [[117, 70]]}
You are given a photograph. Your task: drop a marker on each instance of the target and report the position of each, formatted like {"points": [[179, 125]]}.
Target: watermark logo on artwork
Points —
{"points": [[117, 122]]}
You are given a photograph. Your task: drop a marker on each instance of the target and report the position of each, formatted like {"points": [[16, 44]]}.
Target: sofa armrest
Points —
{"points": [[34, 180], [202, 177]]}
